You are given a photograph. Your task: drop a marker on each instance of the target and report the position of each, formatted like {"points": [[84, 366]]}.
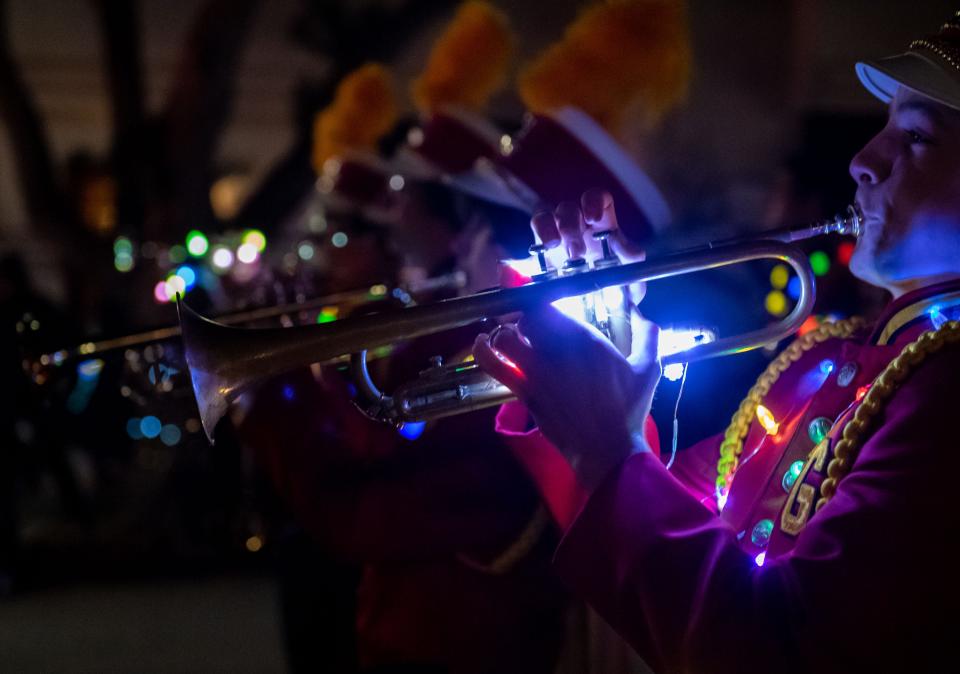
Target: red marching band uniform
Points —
{"points": [[760, 588]]}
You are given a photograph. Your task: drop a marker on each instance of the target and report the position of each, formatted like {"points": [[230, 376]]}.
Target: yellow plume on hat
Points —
{"points": [[469, 62], [620, 57], [364, 108]]}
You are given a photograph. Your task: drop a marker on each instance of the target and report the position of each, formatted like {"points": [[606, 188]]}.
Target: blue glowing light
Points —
{"points": [[826, 366], [188, 275], [150, 427], [133, 428], [170, 435], [89, 370], [412, 430], [937, 317], [793, 288], [288, 392]]}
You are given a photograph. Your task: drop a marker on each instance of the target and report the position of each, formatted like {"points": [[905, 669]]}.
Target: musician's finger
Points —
{"points": [[547, 329], [644, 352], [571, 226], [510, 343], [544, 226], [599, 213], [497, 366]]}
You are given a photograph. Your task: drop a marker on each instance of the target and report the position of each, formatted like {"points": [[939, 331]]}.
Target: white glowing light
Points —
{"points": [[673, 371], [721, 501], [528, 266], [760, 559], [675, 340], [222, 258], [175, 284], [247, 253], [396, 183]]}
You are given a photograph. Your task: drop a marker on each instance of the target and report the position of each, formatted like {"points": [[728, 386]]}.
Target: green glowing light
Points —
{"points": [[820, 262], [197, 243]]}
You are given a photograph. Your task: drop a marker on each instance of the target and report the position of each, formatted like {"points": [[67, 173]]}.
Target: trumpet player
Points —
{"points": [[813, 534]]}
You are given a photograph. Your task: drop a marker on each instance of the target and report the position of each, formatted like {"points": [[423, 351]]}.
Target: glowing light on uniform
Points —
{"points": [[937, 317], [197, 243], [820, 262], [247, 253], [775, 303], [411, 430], [779, 276], [339, 240], [767, 420], [790, 477], [862, 391], [760, 559], [826, 366], [305, 250], [255, 237], [673, 371], [222, 257], [150, 427], [722, 500]]}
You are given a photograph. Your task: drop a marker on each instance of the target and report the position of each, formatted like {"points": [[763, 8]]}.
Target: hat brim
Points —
{"points": [[912, 70]]}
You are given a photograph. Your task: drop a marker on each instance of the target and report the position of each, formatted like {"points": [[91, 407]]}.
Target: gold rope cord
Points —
{"points": [[732, 446], [855, 431]]}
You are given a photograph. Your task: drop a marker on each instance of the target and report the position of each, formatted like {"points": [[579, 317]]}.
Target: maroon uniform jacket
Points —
{"points": [[868, 583]]}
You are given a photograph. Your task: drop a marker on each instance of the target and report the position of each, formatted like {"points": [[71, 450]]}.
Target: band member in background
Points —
{"points": [[815, 532], [448, 530]]}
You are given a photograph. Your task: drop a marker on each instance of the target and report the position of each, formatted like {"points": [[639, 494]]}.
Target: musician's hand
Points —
{"points": [[587, 398], [567, 230]]}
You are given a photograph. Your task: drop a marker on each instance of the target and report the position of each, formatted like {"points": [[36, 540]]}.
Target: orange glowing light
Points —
{"points": [[809, 325], [862, 391], [767, 420]]}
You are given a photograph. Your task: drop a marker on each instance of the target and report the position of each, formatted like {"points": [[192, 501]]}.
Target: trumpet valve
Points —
{"points": [[546, 273], [609, 258]]}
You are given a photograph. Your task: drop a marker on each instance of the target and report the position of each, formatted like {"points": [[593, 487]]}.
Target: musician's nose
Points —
{"points": [[870, 166]]}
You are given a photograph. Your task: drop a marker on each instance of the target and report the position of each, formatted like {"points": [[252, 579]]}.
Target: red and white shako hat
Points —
{"points": [[620, 67], [352, 177], [467, 65]]}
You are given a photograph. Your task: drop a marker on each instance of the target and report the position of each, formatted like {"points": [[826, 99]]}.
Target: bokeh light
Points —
{"points": [[247, 253], [820, 262], [170, 435], [197, 244], [779, 276], [339, 240], [305, 250], [776, 303], [150, 427], [256, 238], [222, 258]]}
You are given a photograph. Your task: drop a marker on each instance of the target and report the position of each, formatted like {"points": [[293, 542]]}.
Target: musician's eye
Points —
{"points": [[916, 138]]}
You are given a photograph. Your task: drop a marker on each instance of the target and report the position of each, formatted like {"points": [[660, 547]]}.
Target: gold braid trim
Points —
{"points": [[855, 431], [516, 551], [732, 446]]}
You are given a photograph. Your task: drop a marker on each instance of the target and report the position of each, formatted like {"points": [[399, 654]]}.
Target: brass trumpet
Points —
{"points": [[224, 361]]}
